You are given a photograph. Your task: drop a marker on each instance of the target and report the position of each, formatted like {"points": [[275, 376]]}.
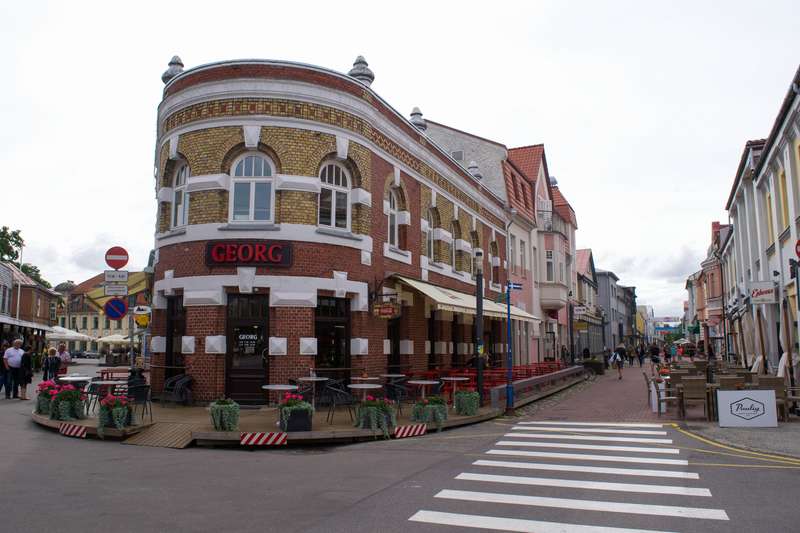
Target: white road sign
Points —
{"points": [[112, 289], [747, 408], [116, 276]]}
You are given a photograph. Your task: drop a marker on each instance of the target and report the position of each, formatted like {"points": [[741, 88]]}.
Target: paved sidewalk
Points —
{"points": [[607, 399], [782, 440]]}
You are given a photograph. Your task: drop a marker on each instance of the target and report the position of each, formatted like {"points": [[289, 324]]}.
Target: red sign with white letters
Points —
{"points": [[249, 253]]}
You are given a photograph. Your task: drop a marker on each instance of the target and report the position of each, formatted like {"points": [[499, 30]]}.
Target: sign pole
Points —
{"points": [[509, 355]]}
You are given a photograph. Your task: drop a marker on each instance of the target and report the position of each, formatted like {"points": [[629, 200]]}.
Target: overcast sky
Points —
{"points": [[643, 108]]}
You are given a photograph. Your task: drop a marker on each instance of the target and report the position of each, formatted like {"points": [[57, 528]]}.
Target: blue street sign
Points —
{"points": [[515, 286], [115, 308]]}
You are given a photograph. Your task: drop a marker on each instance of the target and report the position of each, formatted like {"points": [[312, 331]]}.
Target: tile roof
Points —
{"points": [[562, 207], [528, 159], [18, 276], [519, 189], [89, 284], [583, 261]]}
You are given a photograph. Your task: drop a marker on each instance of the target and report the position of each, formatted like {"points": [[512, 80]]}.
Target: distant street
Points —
{"points": [[506, 475]]}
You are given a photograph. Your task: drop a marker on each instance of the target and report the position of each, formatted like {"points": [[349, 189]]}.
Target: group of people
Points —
{"points": [[623, 353], [16, 371]]}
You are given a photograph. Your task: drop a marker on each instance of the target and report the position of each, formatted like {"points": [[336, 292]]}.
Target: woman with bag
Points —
{"points": [[617, 359]]}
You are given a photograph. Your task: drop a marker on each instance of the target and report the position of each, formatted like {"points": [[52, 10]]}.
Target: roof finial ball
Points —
{"points": [[175, 68], [417, 120], [361, 71]]}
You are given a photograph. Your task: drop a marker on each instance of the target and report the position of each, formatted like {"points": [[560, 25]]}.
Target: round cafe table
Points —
{"points": [[313, 380], [75, 379], [364, 387], [454, 380], [279, 388], [365, 378], [423, 384]]}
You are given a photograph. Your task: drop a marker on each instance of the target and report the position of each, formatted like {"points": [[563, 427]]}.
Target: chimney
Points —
{"points": [[361, 71]]}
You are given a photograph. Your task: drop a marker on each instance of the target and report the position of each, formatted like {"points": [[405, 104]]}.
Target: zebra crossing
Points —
{"points": [[576, 477]]}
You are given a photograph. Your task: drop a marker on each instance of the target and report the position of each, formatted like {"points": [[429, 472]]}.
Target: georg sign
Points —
{"points": [[250, 253]]}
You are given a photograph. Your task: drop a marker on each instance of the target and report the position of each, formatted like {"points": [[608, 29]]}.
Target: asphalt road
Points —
{"points": [[59, 484]]}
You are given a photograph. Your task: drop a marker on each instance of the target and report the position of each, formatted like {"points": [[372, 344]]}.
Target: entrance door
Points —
{"points": [[246, 367], [332, 329], [393, 332]]}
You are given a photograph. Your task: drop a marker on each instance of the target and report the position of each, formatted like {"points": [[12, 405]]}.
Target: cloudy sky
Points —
{"points": [[643, 108]]}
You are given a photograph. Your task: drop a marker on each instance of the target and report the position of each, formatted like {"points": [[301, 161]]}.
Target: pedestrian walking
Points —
{"points": [[65, 358], [12, 360], [654, 359], [640, 355], [4, 377], [50, 365], [618, 359], [667, 354], [25, 372]]}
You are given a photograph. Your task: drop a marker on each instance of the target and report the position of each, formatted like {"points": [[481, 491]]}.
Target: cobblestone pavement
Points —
{"points": [[607, 398]]}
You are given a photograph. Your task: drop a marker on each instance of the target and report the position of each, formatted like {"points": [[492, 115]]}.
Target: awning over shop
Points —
{"points": [[460, 302], [23, 323], [137, 282]]}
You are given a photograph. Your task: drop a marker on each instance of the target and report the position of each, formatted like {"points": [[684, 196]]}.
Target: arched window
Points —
{"points": [[393, 233], [334, 196], [180, 200], [429, 235], [252, 197]]}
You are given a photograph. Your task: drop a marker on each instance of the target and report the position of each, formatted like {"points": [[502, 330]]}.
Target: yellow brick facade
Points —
{"points": [[206, 207]]}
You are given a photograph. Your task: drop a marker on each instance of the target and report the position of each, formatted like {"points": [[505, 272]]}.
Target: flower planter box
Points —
{"points": [[224, 415], [297, 420]]}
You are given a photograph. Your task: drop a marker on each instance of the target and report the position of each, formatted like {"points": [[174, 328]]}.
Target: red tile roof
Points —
{"points": [[583, 261], [528, 159], [519, 190], [562, 207], [89, 284]]}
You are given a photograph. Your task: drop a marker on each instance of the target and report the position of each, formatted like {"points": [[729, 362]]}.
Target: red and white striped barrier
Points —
{"points": [[72, 430], [416, 430], [262, 439]]}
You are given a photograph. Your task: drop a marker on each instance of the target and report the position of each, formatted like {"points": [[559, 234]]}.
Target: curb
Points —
{"points": [[681, 427]]}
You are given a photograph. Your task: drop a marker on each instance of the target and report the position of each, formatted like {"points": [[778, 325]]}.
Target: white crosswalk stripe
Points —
{"points": [[494, 487], [588, 437]]}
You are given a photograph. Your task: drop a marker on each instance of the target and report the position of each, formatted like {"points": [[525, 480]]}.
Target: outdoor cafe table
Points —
{"points": [[423, 384], [364, 387], [313, 380], [454, 380], [365, 378], [279, 388], [75, 379]]}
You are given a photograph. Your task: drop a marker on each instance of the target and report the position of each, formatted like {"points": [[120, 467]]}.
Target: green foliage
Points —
{"points": [[467, 403], [43, 405], [287, 410], [432, 409], [376, 415], [117, 415], [224, 415], [33, 272], [67, 405], [10, 243]]}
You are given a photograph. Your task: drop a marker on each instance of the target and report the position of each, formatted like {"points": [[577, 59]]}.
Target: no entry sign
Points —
{"points": [[116, 308], [797, 248], [116, 257]]}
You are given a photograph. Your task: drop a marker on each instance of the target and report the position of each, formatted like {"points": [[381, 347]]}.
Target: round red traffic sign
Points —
{"points": [[116, 257], [797, 248]]}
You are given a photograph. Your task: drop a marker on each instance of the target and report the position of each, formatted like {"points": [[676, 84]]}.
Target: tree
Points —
{"points": [[33, 272], [10, 244]]}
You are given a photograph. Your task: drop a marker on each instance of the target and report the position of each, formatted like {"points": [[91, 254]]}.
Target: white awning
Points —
{"points": [[5, 319], [459, 302], [63, 334]]}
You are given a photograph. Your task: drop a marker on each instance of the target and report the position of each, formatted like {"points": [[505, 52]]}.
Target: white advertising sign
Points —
{"points": [[116, 276], [580, 310], [116, 290], [762, 292], [747, 409]]}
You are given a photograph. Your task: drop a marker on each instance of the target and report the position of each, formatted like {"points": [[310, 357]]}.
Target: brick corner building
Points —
{"points": [[304, 223]]}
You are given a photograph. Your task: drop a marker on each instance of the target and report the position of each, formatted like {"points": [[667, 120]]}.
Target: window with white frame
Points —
{"points": [[523, 260], [511, 254], [252, 199], [429, 235], [549, 266], [334, 196], [180, 200], [392, 216]]}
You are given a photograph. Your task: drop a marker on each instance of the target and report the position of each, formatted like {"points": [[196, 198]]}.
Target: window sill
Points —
{"points": [[396, 254], [771, 250], [172, 233], [784, 235], [345, 234], [249, 226]]}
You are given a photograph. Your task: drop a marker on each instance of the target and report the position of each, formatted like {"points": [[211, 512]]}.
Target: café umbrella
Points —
{"points": [[114, 339], [63, 334]]}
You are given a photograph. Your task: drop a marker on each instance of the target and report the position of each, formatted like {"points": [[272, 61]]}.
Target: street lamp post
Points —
{"points": [[479, 322]]}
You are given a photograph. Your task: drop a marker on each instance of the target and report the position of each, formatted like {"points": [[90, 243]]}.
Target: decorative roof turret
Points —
{"points": [[362, 72], [417, 120], [175, 68]]}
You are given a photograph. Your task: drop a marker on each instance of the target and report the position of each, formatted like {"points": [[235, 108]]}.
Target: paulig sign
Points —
{"points": [[747, 408]]}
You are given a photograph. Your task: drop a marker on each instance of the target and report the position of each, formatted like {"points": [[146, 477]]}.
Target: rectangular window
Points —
{"points": [[63, 322], [393, 229], [784, 202], [523, 262], [770, 226], [179, 209], [325, 206], [74, 323], [534, 263], [3, 299], [84, 322], [549, 266], [252, 201], [241, 201], [118, 324], [341, 210], [513, 247], [95, 322], [261, 201], [107, 323]]}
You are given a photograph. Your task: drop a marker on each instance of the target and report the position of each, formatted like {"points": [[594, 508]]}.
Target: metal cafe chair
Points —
{"points": [[339, 397], [140, 395]]}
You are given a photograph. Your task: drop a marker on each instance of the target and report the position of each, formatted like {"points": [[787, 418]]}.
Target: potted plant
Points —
{"points": [[45, 392], [467, 403], [114, 412], [296, 413], [224, 415], [376, 413], [67, 403], [430, 409]]}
